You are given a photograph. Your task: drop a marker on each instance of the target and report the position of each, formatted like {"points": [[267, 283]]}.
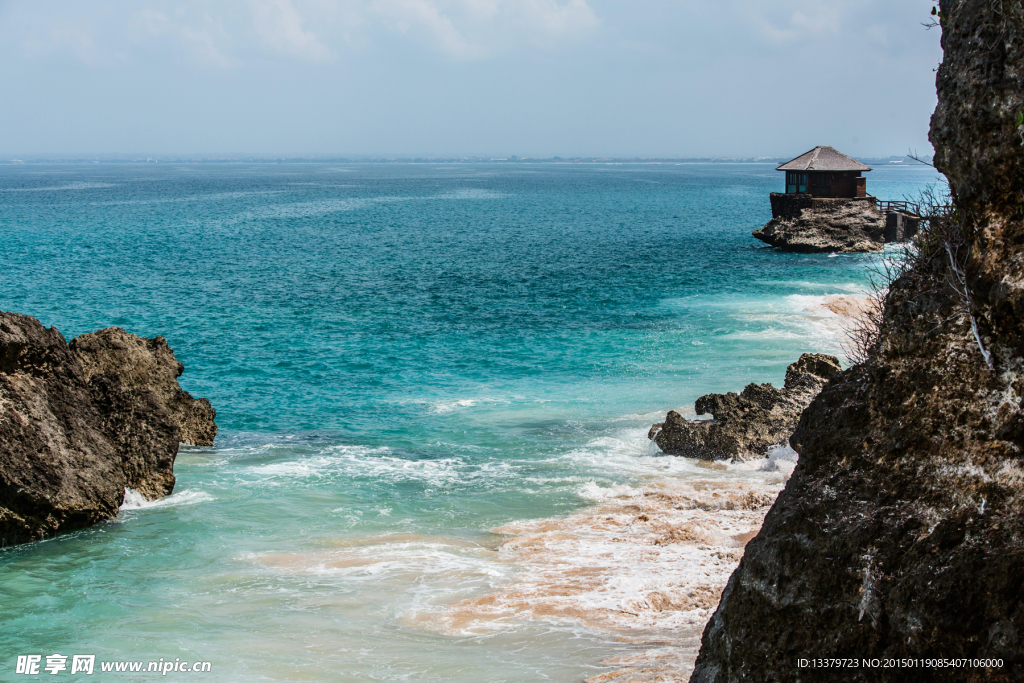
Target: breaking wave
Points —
{"points": [[133, 500]]}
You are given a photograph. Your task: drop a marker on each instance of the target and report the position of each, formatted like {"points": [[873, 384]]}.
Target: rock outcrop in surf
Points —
{"points": [[148, 365], [746, 425], [71, 438], [813, 225], [899, 534]]}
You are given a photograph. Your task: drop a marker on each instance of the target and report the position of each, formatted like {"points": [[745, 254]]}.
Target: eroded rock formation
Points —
{"points": [[148, 364], [900, 532], [71, 438], [748, 424], [818, 225]]}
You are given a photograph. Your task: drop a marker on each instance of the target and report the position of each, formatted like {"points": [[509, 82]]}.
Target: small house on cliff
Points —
{"points": [[825, 172], [826, 208]]}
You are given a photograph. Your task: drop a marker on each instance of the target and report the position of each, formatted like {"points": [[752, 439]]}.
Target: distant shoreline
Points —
{"points": [[135, 159]]}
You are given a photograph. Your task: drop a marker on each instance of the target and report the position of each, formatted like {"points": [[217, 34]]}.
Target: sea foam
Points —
{"points": [[133, 500]]}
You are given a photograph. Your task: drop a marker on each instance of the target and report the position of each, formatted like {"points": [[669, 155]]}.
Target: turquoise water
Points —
{"points": [[403, 357]]}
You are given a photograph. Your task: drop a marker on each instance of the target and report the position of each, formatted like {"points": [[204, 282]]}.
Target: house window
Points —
{"points": [[796, 182]]}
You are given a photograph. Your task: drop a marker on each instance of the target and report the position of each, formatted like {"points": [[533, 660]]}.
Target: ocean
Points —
{"points": [[433, 384]]}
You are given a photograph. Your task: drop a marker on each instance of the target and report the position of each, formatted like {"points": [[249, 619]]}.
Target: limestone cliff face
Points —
{"points": [[901, 532], [813, 225], [69, 444], [80, 423], [746, 425], [148, 364]]}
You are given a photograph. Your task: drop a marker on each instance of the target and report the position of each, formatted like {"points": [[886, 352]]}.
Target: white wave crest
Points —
{"points": [[74, 185], [781, 459], [133, 500], [378, 464], [449, 406]]}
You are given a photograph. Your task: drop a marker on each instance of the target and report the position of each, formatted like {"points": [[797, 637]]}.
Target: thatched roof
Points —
{"points": [[823, 159]]}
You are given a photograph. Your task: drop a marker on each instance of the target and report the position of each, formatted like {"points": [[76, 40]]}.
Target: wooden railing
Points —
{"points": [[905, 207]]}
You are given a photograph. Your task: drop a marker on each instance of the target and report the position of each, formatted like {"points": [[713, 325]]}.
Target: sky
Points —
{"points": [[442, 78]]}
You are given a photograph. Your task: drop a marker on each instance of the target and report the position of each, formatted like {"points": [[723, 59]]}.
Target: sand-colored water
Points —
{"points": [[849, 306]]}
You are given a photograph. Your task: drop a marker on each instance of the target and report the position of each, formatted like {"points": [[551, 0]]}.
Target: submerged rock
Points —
{"points": [[148, 364], [899, 535], [748, 424], [817, 225], [72, 440]]}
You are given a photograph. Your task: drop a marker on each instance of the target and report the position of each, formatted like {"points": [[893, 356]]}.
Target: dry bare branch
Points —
{"points": [[937, 258]]}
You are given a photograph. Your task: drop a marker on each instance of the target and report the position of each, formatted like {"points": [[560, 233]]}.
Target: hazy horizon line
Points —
{"points": [[142, 158]]}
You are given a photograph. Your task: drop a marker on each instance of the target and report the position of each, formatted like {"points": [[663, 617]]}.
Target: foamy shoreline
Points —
{"points": [[648, 563]]}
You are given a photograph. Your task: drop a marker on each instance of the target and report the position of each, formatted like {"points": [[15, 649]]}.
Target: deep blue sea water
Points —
{"points": [[402, 357]]}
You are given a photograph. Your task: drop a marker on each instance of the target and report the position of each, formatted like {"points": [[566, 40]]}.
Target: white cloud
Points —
{"points": [[64, 36], [206, 46], [476, 29], [280, 25], [573, 19], [851, 24], [203, 38], [228, 34], [796, 20], [424, 18], [458, 29]]}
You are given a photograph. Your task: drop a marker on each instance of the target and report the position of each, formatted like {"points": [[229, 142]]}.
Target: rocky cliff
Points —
{"points": [[148, 364], [901, 532], [748, 424], [817, 225], [71, 437]]}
